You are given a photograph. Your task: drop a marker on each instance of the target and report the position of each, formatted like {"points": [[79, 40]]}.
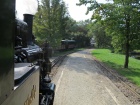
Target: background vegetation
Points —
{"points": [[115, 61], [114, 25], [53, 22], [117, 23]]}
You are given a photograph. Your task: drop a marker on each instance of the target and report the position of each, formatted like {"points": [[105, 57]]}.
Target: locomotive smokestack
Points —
{"points": [[28, 18]]}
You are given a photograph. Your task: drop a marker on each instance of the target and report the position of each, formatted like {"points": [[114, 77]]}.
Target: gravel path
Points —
{"points": [[79, 81]]}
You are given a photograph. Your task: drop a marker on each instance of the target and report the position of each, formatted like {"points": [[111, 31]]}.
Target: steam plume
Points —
{"points": [[26, 7]]}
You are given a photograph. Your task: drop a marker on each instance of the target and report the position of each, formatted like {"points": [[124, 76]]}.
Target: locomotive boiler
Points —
{"points": [[25, 67]]}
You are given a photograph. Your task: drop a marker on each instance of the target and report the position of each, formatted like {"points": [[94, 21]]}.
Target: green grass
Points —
{"points": [[116, 62]]}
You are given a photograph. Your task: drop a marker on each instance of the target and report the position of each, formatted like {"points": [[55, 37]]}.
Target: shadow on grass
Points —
{"points": [[93, 53], [130, 73]]}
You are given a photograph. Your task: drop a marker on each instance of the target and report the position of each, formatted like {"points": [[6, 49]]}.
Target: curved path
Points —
{"points": [[79, 81]]}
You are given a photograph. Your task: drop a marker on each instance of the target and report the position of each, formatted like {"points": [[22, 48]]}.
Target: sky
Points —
{"points": [[26, 6], [78, 13]]}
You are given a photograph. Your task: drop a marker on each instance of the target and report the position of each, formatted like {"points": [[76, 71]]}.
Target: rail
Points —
{"points": [[57, 59], [127, 89]]}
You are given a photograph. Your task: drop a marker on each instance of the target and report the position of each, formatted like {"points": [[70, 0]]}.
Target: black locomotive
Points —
{"points": [[27, 51], [31, 84]]}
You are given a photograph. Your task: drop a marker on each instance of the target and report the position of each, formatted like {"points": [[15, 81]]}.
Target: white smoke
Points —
{"points": [[26, 7], [31, 6]]}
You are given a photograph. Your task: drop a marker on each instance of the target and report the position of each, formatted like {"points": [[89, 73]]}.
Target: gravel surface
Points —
{"points": [[80, 81], [126, 87]]}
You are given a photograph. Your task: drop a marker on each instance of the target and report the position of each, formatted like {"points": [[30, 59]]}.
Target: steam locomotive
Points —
{"points": [[28, 82]]}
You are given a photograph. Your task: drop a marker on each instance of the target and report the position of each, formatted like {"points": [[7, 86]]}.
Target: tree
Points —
{"points": [[96, 30], [80, 33], [50, 21], [70, 28], [122, 22]]}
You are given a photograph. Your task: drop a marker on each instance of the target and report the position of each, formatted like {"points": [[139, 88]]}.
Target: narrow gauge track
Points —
{"points": [[59, 58], [122, 84], [55, 64], [55, 61]]}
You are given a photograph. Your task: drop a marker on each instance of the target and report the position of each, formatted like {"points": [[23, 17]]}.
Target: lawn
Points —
{"points": [[116, 62]]}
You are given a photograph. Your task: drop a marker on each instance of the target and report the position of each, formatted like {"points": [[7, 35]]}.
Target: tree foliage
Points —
{"points": [[50, 21], [80, 33], [121, 20], [97, 31]]}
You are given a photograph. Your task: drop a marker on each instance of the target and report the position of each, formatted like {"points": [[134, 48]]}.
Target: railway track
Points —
{"points": [[59, 58], [55, 64], [123, 84], [55, 61]]}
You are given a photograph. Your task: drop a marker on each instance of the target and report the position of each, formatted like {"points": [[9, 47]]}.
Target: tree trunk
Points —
{"points": [[127, 45], [126, 54]]}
